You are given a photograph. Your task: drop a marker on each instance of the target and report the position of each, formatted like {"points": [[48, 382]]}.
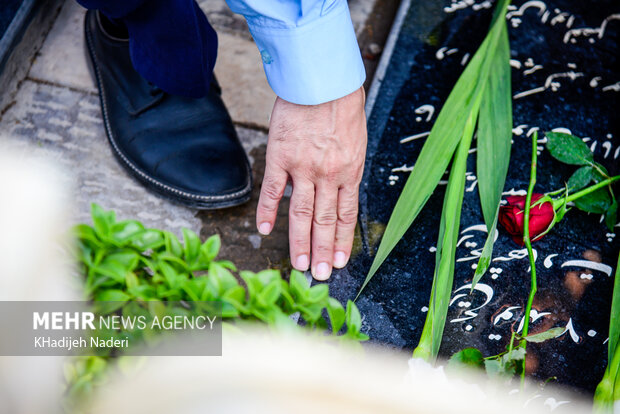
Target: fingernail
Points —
{"points": [[302, 262], [264, 228], [322, 271], [340, 260]]}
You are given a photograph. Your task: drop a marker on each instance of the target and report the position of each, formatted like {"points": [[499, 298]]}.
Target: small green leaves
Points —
{"points": [[353, 317], [148, 239], [611, 215], [299, 284], [470, 357], [102, 220], [353, 320], [191, 248], [113, 295], [126, 265], [505, 364], [336, 314], [580, 178], [568, 149], [173, 246], [596, 202], [545, 336], [572, 150], [211, 247], [493, 368], [124, 261]]}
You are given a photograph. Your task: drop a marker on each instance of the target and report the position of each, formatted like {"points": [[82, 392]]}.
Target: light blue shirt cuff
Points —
{"points": [[314, 62]]}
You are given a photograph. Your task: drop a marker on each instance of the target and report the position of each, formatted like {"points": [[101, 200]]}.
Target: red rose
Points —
{"points": [[512, 217]]}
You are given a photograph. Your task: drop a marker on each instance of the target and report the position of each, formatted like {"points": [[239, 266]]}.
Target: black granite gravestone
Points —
{"points": [[565, 76]]}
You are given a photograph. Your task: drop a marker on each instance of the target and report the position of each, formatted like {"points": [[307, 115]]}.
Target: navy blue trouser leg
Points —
{"points": [[171, 42]]}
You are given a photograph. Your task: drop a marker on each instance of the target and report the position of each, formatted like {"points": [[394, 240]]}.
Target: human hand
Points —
{"points": [[322, 149]]}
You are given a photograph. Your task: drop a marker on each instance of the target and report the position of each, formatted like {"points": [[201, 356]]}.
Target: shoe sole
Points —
{"points": [[196, 201]]}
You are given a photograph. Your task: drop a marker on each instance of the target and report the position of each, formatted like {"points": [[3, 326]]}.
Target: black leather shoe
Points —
{"points": [[184, 149]]}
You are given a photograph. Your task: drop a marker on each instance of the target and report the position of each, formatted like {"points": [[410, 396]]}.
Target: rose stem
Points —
{"points": [[528, 244], [585, 191]]}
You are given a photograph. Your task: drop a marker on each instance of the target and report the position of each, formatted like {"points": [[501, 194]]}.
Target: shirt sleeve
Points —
{"points": [[308, 47]]}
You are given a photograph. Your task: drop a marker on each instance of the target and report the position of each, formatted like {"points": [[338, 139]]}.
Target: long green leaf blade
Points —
{"points": [[428, 347], [608, 390], [493, 144], [439, 146], [614, 320]]}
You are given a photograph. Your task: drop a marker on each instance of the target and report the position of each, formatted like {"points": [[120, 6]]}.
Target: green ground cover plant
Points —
{"points": [[125, 262]]}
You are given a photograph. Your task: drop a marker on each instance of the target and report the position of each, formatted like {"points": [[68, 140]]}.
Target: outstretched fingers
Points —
{"points": [[272, 190], [301, 211], [345, 226]]}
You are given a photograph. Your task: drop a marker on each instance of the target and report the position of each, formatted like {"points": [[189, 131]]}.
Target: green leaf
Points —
{"points": [[485, 258], [353, 317], [517, 354], [560, 212], [545, 336], [299, 285], [493, 145], [270, 293], [428, 346], [611, 215], [124, 231], [211, 247], [597, 202], [112, 269], [462, 104], [318, 293], [614, 319], [131, 281], [311, 312], [580, 178], [253, 283], [169, 273], [495, 131], [226, 279], [191, 246], [493, 368], [600, 172], [471, 357], [86, 234], [102, 220], [126, 258], [112, 295], [336, 314], [148, 239], [268, 276], [173, 246], [568, 149]]}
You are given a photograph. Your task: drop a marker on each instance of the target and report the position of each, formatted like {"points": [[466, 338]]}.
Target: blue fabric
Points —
{"points": [[171, 42], [7, 12], [308, 47]]}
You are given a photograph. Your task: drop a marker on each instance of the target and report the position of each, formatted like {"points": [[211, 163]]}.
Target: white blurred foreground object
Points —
{"points": [[262, 373], [33, 226], [33, 266]]}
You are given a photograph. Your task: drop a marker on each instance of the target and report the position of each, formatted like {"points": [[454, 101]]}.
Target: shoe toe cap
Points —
{"points": [[206, 171]]}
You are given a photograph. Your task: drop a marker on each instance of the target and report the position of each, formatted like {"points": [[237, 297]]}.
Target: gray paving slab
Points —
{"points": [[245, 90], [65, 126], [62, 59]]}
